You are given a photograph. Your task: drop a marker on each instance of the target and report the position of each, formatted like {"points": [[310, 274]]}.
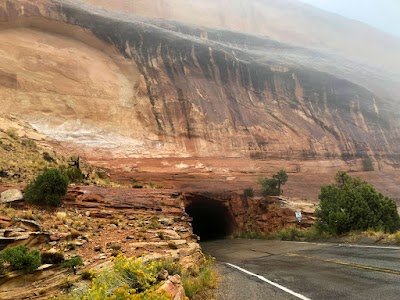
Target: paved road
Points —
{"points": [[312, 271]]}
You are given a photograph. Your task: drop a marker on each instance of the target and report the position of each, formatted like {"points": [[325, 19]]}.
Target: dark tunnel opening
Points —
{"points": [[212, 219]]}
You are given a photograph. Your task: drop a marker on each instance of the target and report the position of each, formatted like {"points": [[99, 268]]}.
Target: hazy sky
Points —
{"points": [[382, 14]]}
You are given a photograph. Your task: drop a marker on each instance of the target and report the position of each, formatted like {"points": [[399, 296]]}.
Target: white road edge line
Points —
{"points": [[351, 245], [368, 246], [270, 282], [318, 244]]}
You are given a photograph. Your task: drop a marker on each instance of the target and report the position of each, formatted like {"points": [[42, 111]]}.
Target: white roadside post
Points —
{"points": [[298, 216]]}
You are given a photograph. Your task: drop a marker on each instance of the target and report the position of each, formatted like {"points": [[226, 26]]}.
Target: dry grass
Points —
{"points": [[204, 280], [395, 237]]}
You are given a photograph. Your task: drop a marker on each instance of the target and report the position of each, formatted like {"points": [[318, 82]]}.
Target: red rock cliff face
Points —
{"points": [[151, 87], [289, 21]]}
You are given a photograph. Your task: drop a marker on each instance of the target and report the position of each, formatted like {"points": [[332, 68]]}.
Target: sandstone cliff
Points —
{"points": [[289, 21], [151, 87]]}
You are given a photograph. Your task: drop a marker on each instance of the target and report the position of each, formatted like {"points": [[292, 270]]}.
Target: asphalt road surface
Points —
{"points": [[261, 269]]}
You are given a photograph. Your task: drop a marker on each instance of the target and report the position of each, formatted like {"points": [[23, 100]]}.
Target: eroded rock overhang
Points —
{"points": [[164, 89]]}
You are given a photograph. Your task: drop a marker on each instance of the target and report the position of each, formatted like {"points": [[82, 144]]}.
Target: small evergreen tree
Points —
{"points": [[269, 186], [353, 204], [282, 178], [272, 186], [47, 188]]}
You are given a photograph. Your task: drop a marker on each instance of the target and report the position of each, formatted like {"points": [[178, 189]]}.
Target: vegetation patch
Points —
{"points": [[47, 188], [273, 186], [205, 279], [352, 204], [248, 192], [21, 258], [74, 174], [12, 133], [137, 278], [73, 262], [350, 210]]}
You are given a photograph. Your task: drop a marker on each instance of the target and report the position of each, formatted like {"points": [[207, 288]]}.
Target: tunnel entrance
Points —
{"points": [[211, 217]]}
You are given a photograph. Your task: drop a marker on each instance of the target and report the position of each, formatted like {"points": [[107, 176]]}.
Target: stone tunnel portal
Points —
{"points": [[212, 219]]}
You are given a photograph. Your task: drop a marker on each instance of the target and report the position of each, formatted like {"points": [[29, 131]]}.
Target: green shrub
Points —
{"points": [[101, 174], [290, 234], [315, 233], [248, 192], [88, 275], [352, 204], [272, 186], [47, 188], [269, 186], [74, 174], [2, 268], [20, 258], [299, 234], [73, 262]]}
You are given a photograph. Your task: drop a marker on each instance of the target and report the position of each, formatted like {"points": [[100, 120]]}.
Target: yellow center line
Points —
{"points": [[348, 264]]}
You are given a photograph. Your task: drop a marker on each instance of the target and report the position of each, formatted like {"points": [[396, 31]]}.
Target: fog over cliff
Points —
{"points": [[210, 78]]}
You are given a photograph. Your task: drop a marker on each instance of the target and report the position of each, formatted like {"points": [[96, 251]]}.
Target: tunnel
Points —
{"points": [[212, 219]]}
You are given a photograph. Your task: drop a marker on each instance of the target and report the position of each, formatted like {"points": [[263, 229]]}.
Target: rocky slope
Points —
{"points": [[97, 224], [150, 87], [23, 151]]}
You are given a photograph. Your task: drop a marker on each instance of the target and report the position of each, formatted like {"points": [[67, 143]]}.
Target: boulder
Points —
{"points": [[29, 239], [28, 225], [170, 235], [61, 215], [93, 198], [174, 288], [162, 275], [166, 221], [11, 196], [191, 257]]}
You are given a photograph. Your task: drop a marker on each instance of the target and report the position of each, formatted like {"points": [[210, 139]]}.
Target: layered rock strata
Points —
{"points": [[147, 87]]}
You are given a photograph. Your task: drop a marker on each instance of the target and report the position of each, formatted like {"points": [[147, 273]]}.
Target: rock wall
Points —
{"points": [[267, 215], [219, 215], [149, 87]]}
